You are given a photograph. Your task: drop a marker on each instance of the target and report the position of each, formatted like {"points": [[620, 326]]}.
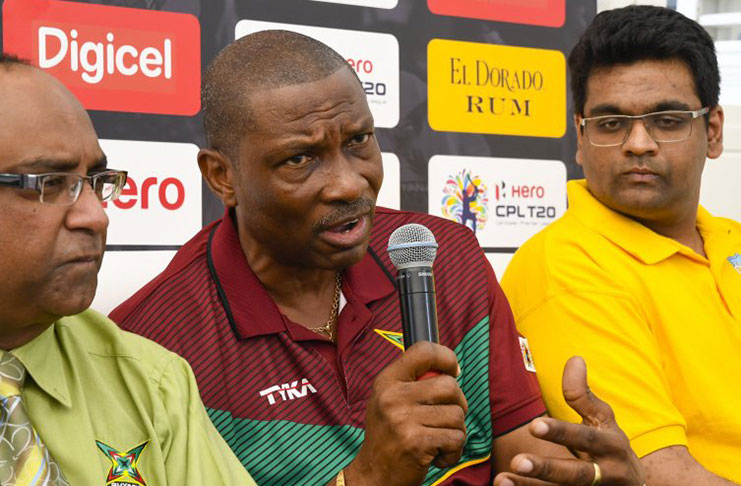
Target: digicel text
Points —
{"points": [[97, 58], [111, 58]]}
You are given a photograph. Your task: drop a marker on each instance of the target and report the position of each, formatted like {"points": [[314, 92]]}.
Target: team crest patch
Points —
{"points": [[395, 338], [124, 465], [527, 356], [736, 261]]}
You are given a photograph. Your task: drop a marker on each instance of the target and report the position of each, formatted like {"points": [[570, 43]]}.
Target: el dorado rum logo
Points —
{"points": [[483, 88]]}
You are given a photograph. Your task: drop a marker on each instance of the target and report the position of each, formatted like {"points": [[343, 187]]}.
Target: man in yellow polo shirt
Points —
{"points": [[636, 277], [81, 402]]}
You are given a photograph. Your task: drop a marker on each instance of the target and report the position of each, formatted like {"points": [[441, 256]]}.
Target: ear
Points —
{"points": [[219, 174], [715, 132], [579, 139]]}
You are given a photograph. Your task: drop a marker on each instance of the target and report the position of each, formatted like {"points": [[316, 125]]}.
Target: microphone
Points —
{"points": [[412, 249]]}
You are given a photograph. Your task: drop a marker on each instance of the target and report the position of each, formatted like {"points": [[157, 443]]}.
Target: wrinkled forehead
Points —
{"points": [[339, 95]]}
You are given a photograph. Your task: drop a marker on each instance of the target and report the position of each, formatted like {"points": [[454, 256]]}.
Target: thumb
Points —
{"points": [[576, 392], [424, 356]]}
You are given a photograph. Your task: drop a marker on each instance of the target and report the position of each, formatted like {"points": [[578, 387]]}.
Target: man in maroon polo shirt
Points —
{"points": [[286, 308]]}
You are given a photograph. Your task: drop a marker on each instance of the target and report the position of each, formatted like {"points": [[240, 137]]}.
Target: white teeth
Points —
{"points": [[349, 225]]}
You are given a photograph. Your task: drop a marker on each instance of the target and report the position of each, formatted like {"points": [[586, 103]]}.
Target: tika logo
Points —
{"points": [[288, 391], [111, 58]]}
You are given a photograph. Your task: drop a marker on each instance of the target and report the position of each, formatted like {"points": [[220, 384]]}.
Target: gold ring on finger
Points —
{"points": [[597, 475]]}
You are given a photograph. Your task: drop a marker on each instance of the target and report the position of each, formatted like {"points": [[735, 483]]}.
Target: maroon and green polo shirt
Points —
{"points": [[290, 403]]}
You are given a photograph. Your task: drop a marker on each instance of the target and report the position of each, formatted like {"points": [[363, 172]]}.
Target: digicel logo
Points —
{"points": [[96, 59], [111, 58]]}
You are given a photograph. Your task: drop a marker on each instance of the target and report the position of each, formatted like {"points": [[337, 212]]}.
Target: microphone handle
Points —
{"points": [[418, 306]]}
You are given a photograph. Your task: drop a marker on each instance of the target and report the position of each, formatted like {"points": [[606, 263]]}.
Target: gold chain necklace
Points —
{"points": [[327, 328]]}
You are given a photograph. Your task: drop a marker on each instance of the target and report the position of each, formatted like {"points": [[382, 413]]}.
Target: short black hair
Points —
{"points": [[7, 60], [263, 60], [640, 32]]}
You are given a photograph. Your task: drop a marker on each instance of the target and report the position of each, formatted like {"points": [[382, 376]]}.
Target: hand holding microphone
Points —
{"points": [[412, 423]]}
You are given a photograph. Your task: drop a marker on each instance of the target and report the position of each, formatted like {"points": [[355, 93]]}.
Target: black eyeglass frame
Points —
{"points": [[35, 182], [694, 113]]}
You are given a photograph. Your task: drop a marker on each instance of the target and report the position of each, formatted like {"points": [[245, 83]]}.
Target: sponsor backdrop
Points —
{"points": [[469, 97]]}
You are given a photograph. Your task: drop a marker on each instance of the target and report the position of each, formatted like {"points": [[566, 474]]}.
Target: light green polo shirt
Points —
{"points": [[96, 392]]}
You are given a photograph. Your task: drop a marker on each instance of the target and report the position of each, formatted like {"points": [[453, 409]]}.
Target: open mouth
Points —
{"points": [[345, 228], [347, 234]]}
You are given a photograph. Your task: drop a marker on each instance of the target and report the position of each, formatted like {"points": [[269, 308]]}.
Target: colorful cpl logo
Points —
{"points": [[466, 200]]}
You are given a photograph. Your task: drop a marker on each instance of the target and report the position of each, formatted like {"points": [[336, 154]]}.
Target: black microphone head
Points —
{"points": [[412, 245]]}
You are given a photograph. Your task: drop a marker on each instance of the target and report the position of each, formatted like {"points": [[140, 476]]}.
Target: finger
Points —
{"points": [[439, 390], [441, 417], [422, 357], [433, 444], [428, 374], [449, 459], [555, 470], [398, 403], [450, 444], [510, 479], [576, 436], [577, 394]]}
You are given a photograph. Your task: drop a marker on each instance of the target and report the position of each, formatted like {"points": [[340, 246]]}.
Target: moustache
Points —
{"points": [[643, 162], [346, 210]]}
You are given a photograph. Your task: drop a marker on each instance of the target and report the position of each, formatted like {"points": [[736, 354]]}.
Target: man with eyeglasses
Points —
{"points": [[81, 402], [636, 277]]}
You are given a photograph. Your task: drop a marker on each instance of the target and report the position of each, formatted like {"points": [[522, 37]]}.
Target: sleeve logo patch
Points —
{"points": [[735, 260], [527, 356], [124, 469]]}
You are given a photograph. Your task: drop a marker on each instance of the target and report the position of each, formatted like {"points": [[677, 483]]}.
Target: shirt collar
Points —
{"points": [[721, 236], [709, 226], [43, 361], [250, 309], [635, 238]]}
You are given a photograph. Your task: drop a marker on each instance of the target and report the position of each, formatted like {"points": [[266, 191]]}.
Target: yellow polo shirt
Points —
{"points": [[658, 325], [95, 390]]}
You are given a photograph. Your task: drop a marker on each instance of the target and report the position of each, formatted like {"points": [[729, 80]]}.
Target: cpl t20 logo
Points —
{"points": [[466, 200]]}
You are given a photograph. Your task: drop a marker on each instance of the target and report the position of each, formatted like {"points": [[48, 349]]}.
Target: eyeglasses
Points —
{"points": [[662, 126], [64, 188]]}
